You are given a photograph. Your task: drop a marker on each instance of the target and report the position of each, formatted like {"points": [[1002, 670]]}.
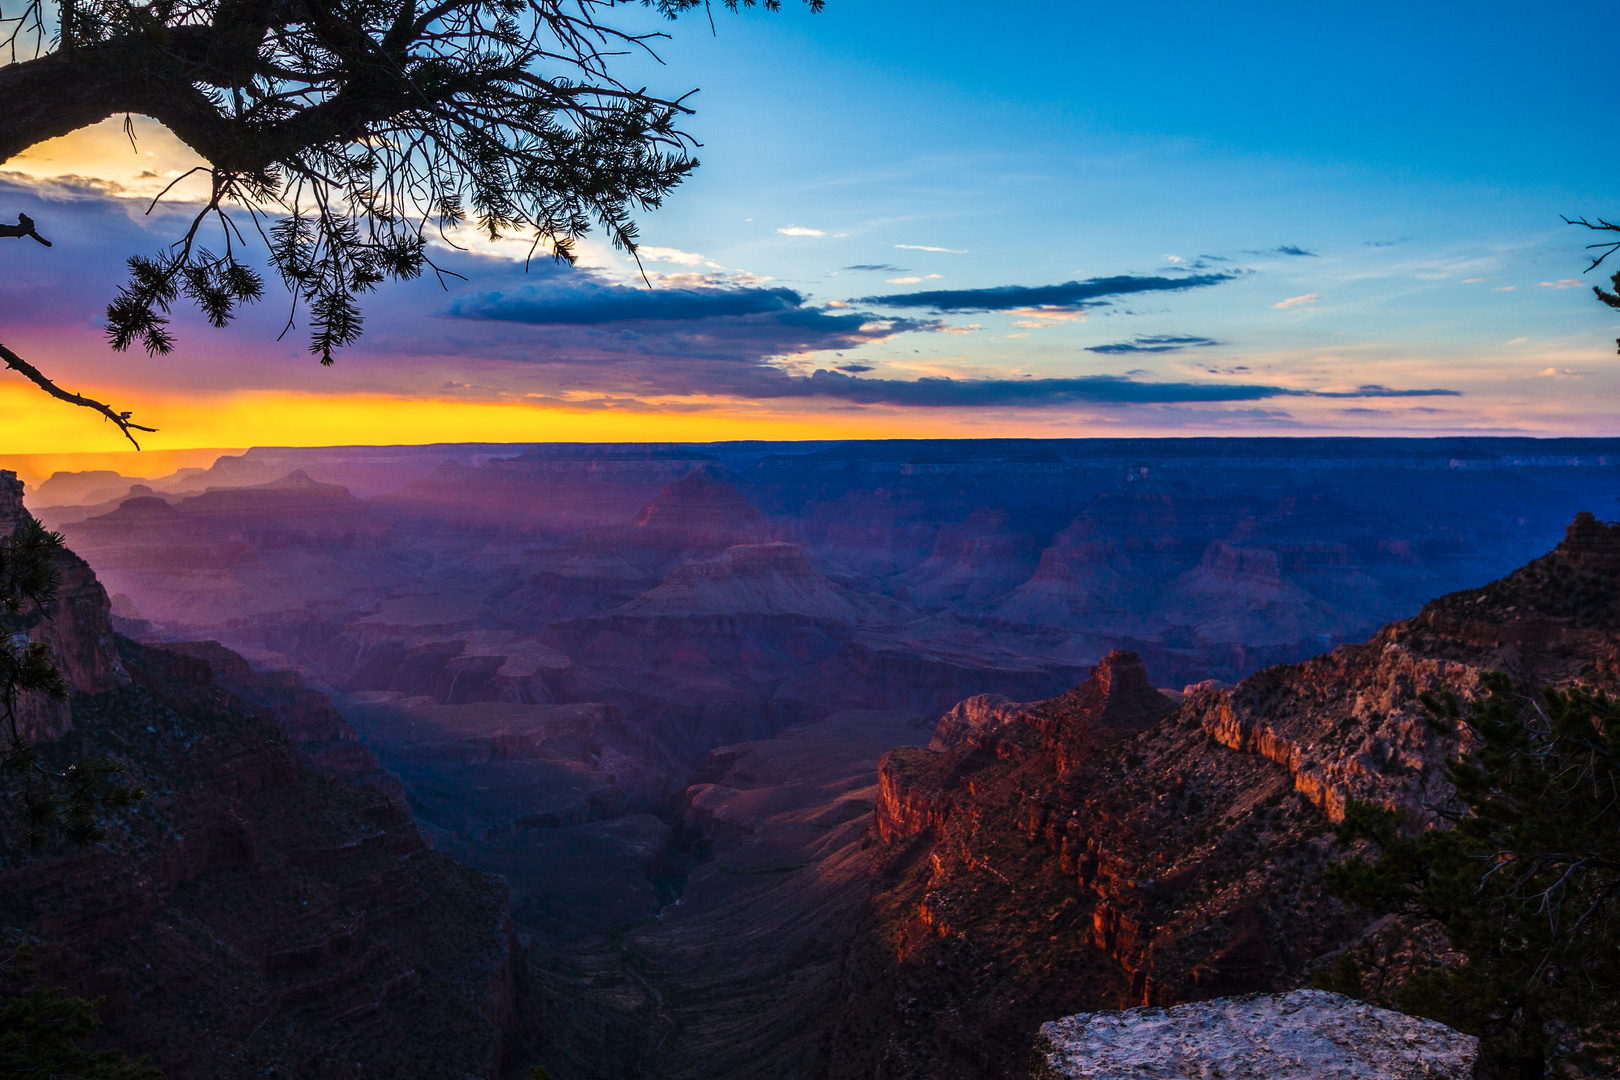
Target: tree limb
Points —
{"points": [[24, 227], [34, 375]]}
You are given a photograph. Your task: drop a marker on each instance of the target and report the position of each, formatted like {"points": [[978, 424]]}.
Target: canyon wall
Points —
{"points": [[269, 909], [1046, 859]]}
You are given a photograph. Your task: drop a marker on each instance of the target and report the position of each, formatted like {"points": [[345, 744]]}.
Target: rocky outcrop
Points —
{"points": [[1048, 855], [1591, 543], [1303, 1035], [702, 510], [256, 914], [307, 716], [76, 626], [971, 721]]}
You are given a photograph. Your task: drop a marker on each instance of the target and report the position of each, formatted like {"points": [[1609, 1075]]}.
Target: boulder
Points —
{"points": [[1302, 1035]]}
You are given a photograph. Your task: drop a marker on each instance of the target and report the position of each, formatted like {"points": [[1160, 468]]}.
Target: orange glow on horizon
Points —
{"points": [[35, 428]]}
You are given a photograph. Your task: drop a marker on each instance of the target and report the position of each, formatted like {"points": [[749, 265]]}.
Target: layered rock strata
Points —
{"points": [[1047, 856]]}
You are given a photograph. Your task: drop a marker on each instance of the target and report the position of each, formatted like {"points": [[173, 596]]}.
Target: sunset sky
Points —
{"points": [[937, 219]]}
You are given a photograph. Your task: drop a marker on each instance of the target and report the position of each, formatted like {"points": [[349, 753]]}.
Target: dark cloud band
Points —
{"points": [[582, 302], [1070, 294], [1155, 343], [1038, 393]]}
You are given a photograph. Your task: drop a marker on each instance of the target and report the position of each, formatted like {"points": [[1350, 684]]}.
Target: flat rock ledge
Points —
{"points": [[1302, 1035]]}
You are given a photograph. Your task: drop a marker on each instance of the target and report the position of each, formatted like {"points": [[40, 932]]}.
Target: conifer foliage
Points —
{"points": [[1526, 881], [40, 1032]]}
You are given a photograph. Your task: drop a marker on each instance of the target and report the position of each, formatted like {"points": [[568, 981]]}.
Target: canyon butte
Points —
{"points": [[846, 760]]}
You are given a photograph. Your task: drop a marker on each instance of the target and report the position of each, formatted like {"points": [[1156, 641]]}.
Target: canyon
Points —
{"points": [[269, 909], [794, 760]]}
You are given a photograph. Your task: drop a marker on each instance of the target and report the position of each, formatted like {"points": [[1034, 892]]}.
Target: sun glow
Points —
{"points": [[37, 426]]}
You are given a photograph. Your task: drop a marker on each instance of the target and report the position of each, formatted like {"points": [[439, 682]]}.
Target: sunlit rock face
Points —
{"points": [[1055, 857], [1303, 1035]]}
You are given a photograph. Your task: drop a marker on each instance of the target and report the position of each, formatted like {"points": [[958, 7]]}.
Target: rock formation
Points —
{"points": [[1303, 1035], [1060, 856], [76, 626], [267, 910]]}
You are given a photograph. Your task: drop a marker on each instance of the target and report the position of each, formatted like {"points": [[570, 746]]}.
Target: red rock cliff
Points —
{"points": [[1073, 854]]}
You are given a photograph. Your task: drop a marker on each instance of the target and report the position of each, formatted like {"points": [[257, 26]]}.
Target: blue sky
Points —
{"points": [[1339, 206]]}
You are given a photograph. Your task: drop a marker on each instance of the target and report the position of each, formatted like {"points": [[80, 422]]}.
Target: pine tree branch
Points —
{"points": [[38, 378], [24, 227]]}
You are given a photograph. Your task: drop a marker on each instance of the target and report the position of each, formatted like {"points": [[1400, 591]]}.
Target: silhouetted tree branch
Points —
{"points": [[340, 132], [1604, 249], [34, 375], [24, 227]]}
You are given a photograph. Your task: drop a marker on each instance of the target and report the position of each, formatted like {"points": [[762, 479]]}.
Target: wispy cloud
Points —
{"points": [[925, 247], [671, 255], [877, 268], [1070, 294], [1043, 317], [1285, 249], [1297, 301], [1564, 283], [1476, 280], [1156, 343], [800, 230], [912, 280], [1373, 390]]}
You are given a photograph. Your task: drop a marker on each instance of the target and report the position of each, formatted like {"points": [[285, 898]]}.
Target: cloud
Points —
{"points": [[671, 255], [925, 247], [1285, 249], [1373, 390], [1045, 393], [1476, 280], [913, 280], [854, 369], [586, 302], [1155, 343], [1069, 295], [877, 268], [1043, 317], [1505, 288], [1296, 301], [799, 230], [1565, 283]]}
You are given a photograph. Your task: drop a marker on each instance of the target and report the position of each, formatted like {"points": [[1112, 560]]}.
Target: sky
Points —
{"points": [[940, 220]]}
